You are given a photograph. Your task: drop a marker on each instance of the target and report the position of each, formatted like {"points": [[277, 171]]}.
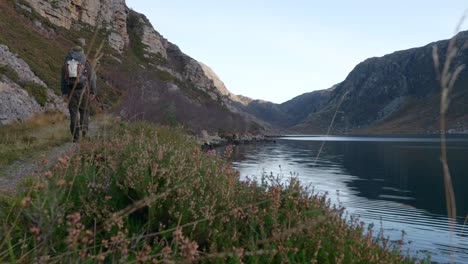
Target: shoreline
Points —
{"points": [[213, 142]]}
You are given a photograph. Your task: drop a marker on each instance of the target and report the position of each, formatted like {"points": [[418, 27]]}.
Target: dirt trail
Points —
{"points": [[12, 175]]}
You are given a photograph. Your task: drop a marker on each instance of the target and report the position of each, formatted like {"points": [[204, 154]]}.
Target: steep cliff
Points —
{"points": [[110, 14]]}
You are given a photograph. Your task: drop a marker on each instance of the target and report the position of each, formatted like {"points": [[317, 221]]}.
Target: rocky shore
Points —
{"points": [[208, 142]]}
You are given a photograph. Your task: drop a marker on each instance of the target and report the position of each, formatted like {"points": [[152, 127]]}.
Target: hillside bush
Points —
{"points": [[9, 72], [39, 92]]}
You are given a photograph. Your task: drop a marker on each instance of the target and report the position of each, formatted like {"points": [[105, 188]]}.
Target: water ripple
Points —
{"points": [[392, 182]]}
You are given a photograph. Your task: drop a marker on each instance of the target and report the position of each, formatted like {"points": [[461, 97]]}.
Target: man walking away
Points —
{"points": [[78, 89]]}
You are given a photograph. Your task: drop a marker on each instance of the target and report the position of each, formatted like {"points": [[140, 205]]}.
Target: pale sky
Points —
{"points": [[278, 49]]}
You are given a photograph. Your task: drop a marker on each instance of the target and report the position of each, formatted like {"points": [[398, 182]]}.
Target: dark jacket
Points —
{"points": [[91, 75]]}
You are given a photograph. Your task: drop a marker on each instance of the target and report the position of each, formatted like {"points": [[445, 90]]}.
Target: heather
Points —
{"points": [[142, 194]]}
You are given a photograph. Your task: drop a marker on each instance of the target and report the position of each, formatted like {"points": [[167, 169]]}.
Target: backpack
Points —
{"points": [[75, 70]]}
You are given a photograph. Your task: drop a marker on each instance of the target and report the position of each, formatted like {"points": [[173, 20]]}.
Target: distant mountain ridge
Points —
{"points": [[395, 93], [398, 92]]}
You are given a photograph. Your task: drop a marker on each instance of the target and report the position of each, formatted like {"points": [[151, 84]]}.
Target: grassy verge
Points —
{"points": [[23, 140], [145, 194]]}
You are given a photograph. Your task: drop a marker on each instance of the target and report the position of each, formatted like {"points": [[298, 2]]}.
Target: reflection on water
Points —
{"points": [[393, 182]]}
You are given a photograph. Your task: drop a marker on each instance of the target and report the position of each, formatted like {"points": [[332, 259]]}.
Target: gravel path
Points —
{"points": [[13, 174]]}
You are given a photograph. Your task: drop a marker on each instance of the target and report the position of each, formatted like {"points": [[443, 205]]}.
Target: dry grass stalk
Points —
{"points": [[330, 127], [447, 77], [146, 202]]}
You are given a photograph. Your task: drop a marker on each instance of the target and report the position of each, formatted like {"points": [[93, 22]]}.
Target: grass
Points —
{"points": [[23, 140], [166, 76], [9, 72], [448, 73], [144, 194], [37, 91]]}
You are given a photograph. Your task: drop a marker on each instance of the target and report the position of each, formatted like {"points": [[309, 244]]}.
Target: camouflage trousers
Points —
{"points": [[79, 113]]}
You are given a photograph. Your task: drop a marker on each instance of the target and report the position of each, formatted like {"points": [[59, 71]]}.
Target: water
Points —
{"points": [[393, 182]]}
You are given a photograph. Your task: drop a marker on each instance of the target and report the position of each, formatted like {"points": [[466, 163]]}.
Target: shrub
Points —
{"points": [[146, 194], [37, 91], [166, 76], [9, 72], [135, 31]]}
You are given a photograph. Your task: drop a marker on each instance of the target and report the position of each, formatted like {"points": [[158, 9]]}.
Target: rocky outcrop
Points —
{"points": [[180, 65], [21, 68], [210, 74], [114, 13], [57, 12], [109, 13], [153, 43], [15, 102], [153, 40], [194, 73], [219, 84]]}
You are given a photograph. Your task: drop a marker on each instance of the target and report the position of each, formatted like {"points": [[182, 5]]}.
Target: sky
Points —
{"points": [[278, 49]]}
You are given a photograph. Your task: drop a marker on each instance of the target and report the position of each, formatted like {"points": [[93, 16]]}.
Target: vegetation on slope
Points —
{"points": [[19, 35], [142, 194], [37, 91]]}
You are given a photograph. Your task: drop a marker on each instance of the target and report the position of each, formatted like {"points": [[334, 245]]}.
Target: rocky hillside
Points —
{"points": [[141, 75], [396, 93], [22, 93], [283, 117]]}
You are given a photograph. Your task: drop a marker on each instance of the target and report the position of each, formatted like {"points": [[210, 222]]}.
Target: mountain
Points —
{"points": [[396, 93], [300, 107], [283, 116], [141, 75]]}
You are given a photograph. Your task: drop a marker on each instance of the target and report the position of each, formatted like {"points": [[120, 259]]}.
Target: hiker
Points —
{"points": [[78, 89]]}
